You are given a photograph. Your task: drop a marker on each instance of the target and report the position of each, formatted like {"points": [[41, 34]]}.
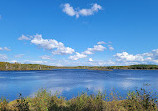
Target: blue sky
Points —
{"points": [[79, 32]]}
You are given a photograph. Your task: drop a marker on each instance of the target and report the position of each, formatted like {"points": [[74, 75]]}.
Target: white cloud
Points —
{"points": [[35, 62], [101, 42], [90, 60], [69, 10], [95, 48], [77, 56], [58, 48], [145, 58], [3, 57], [13, 61], [45, 57], [89, 51], [102, 63], [151, 56], [5, 49], [124, 56], [23, 37], [19, 55], [86, 12], [1, 48], [45, 43], [51, 44], [63, 51], [111, 48]]}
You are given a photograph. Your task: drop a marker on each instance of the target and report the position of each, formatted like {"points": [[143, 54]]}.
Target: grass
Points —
{"points": [[139, 100]]}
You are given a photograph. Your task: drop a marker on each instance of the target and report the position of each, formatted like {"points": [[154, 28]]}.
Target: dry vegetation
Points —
{"points": [[44, 101]]}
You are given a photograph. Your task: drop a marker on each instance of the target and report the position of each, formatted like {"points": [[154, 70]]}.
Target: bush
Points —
{"points": [[22, 104], [3, 104], [87, 103], [41, 100], [141, 100]]}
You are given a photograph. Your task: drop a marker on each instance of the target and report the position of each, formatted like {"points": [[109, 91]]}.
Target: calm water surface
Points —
{"points": [[71, 82]]}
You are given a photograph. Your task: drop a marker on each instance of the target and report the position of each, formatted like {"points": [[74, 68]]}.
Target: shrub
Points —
{"points": [[3, 104], [140, 100], [40, 101], [87, 103], [22, 104]]}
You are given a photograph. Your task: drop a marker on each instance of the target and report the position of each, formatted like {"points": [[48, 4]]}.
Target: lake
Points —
{"points": [[71, 82]]}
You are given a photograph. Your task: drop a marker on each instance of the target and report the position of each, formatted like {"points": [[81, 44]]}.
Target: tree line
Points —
{"points": [[6, 66], [18, 66]]}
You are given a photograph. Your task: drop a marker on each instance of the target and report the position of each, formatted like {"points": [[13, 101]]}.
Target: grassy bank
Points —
{"points": [[139, 100]]}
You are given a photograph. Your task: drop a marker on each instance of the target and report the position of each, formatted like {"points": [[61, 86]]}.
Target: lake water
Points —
{"points": [[71, 82]]}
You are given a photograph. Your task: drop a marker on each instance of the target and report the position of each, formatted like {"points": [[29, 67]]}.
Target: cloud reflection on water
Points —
{"points": [[71, 82]]}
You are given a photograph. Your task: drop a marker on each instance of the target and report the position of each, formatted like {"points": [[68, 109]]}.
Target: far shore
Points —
{"points": [[6, 66]]}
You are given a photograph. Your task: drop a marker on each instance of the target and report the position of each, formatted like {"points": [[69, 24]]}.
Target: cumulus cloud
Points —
{"points": [[69, 10], [145, 58], [51, 44], [102, 63], [63, 51], [45, 57], [23, 37], [124, 56], [101, 42], [45, 43], [151, 56], [4, 49], [3, 57], [111, 48], [89, 51], [86, 12], [77, 56], [13, 61], [90, 60], [95, 48], [19, 55], [35, 62], [58, 48]]}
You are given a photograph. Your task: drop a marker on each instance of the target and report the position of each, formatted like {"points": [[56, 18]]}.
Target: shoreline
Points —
{"points": [[79, 68], [6, 66]]}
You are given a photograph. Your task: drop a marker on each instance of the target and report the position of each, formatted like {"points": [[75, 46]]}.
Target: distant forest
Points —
{"points": [[6, 66]]}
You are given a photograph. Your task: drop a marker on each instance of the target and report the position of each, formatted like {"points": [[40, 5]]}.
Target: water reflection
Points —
{"points": [[70, 82]]}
